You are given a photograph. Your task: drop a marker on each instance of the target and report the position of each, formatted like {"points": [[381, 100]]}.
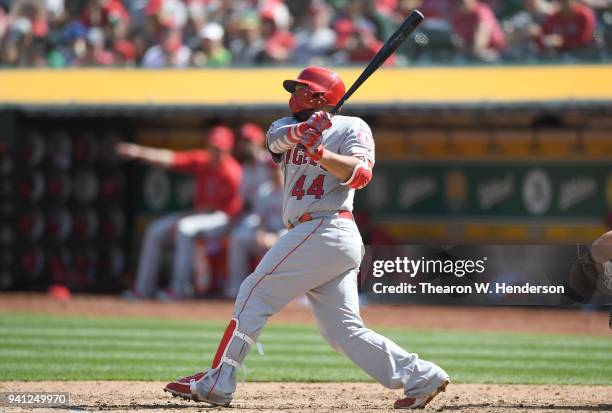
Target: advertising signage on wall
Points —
{"points": [[527, 190]]}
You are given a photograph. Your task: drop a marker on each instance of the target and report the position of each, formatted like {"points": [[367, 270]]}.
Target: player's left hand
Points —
{"points": [[312, 140]]}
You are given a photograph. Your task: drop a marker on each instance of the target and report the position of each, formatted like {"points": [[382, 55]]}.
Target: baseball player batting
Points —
{"points": [[324, 160]]}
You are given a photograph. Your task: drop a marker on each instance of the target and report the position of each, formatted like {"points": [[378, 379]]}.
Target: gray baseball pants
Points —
{"points": [[319, 258]]}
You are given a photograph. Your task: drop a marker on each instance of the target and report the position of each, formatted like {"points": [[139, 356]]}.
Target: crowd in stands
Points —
{"points": [[220, 33]]}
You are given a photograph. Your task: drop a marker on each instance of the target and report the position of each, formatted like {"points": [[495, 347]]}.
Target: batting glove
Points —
{"points": [[311, 137], [312, 140], [316, 153], [320, 121]]}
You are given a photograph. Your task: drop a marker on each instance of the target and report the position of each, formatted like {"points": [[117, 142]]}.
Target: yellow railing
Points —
{"points": [[263, 86]]}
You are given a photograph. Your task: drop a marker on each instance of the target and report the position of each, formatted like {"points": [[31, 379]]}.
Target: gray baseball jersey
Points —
{"points": [[308, 186]]}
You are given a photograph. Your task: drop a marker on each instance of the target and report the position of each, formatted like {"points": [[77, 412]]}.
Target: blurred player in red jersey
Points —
{"points": [[217, 200]]}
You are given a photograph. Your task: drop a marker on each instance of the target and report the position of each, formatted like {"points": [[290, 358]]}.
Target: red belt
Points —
{"points": [[308, 217]]}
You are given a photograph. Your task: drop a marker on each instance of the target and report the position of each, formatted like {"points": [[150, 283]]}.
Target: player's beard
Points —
{"points": [[303, 115]]}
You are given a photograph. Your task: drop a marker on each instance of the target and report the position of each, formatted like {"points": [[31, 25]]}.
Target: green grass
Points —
{"points": [[44, 347]]}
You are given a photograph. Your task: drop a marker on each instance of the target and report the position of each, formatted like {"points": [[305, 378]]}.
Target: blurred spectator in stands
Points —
{"points": [[363, 13], [434, 39], [599, 5], [386, 7], [171, 52], [109, 16], [197, 19], [479, 33], [524, 29], [432, 9], [315, 42], [73, 44], [33, 32], [56, 13], [36, 13], [161, 16], [505, 9], [103, 13], [571, 27], [248, 43], [18, 38], [223, 11], [95, 53], [172, 13], [25, 30], [212, 53], [278, 41], [258, 231], [4, 23], [124, 53], [357, 44]]}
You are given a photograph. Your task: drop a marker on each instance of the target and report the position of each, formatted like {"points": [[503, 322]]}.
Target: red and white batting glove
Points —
{"points": [[320, 121], [296, 132], [312, 140]]}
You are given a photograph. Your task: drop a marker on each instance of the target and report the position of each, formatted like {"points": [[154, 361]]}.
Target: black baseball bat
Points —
{"points": [[412, 21]]}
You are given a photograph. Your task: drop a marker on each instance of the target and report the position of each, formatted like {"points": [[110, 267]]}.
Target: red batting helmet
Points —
{"points": [[325, 88]]}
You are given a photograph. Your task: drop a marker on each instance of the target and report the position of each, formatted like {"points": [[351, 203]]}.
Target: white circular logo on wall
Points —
{"points": [[537, 192], [156, 189]]}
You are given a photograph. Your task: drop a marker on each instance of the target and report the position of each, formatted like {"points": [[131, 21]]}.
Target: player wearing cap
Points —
{"points": [[217, 200], [253, 157], [324, 160]]}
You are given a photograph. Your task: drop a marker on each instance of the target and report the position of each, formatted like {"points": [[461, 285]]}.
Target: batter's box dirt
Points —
{"points": [[115, 396]]}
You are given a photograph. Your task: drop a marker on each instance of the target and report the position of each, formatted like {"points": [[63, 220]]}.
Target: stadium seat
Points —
{"points": [[429, 142], [556, 142], [471, 142], [513, 142]]}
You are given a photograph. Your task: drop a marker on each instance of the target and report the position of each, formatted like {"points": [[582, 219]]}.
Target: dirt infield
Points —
{"points": [[320, 398], [516, 319]]}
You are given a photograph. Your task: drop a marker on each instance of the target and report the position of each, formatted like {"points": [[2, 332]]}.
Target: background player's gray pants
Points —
{"points": [[186, 228], [241, 248], [320, 258]]}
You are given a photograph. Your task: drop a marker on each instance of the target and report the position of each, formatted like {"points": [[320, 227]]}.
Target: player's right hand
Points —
{"points": [[311, 138], [127, 150], [320, 121]]}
